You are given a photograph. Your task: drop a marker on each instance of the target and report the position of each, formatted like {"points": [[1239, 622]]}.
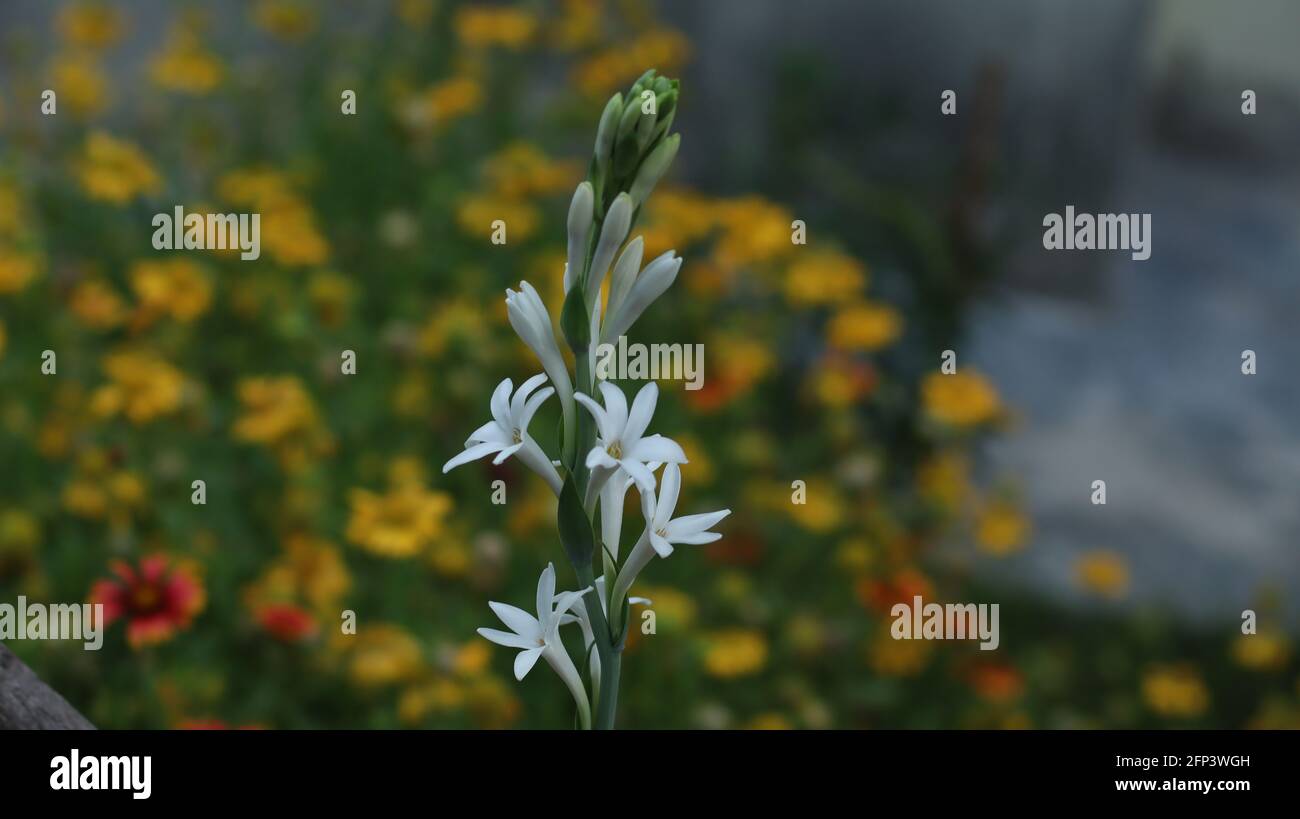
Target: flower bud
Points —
{"points": [[654, 168], [580, 222]]}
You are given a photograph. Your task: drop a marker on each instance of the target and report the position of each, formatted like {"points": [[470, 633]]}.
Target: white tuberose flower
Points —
{"points": [[540, 636], [620, 444], [663, 531], [528, 315], [507, 433]]}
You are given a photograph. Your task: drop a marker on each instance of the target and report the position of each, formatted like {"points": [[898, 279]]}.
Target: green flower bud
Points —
{"points": [[654, 167]]}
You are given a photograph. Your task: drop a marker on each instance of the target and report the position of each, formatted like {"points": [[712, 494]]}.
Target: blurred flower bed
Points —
{"points": [[322, 489]]}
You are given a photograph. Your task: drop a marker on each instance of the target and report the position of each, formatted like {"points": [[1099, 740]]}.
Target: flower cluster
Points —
{"points": [[633, 150]]}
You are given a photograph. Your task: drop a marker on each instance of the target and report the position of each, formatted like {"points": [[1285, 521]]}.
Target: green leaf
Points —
{"points": [[575, 528]]}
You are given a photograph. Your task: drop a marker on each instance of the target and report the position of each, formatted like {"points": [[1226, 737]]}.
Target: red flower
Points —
{"points": [[156, 599], [287, 622]]}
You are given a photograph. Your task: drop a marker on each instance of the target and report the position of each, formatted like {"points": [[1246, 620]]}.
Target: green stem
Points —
{"points": [[610, 660]]}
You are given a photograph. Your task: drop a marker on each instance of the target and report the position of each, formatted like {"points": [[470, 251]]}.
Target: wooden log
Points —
{"points": [[26, 703]]}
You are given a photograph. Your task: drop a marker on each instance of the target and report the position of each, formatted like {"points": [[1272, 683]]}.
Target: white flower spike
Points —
{"points": [[620, 443], [540, 636], [507, 433]]}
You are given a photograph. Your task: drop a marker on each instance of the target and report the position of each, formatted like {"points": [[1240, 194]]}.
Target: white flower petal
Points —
{"points": [[525, 660], [645, 479], [615, 408], [694, 524], [545, 591], [666, 500], [517, 620], [501, 403], [491, 432], [643, 409], [505, 638], [521, 395], [661, 544], [656, 448], [597, 412], [506, 453], [471, 454], [530, 408]]}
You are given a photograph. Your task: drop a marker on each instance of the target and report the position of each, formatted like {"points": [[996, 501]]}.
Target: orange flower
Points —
{"points": [[156, 599]]}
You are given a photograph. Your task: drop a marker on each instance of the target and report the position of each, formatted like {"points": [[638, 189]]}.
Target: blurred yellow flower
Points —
{"points": [[285, 19], [491, 702], [331, 295], [484, 26], [81, 83], [677, 217], [142, 387], [697, 455], [290, 235], [450, 557], [438, 696], [733, 653], [578, 25], [820, 509], [99, 489], [460, 322], [11, 216], [1002, 528], [674, 609], [855, 555], [944, 479], [601, 74], [184, 65], [1263, 651], [401, 523], [821, 277], [384, 654], [309, 569], [521, 169], [1175, 691], [898, 658], [16, 269], [471, 658], [770, 721], [274, 409], [962, 399], [866, 326], [19, 530], [839, 382], [97, 305], [754, 231], [477, 212], [115, 171], [90, 24], [1102, 572], [172, 287], [443, 102]]}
